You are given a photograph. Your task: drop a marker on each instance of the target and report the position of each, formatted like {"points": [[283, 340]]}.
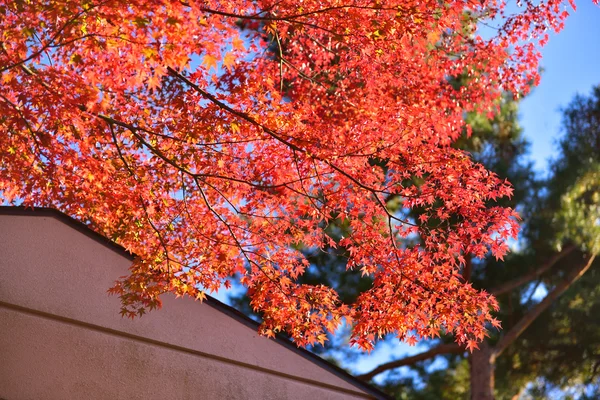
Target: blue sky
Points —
{"points": [[571, 63]]}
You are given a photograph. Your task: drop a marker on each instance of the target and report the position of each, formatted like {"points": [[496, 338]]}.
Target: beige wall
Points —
{"points": [[61, 336]]}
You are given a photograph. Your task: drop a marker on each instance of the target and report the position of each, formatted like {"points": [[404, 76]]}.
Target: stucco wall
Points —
{"points": [[61, 336]]}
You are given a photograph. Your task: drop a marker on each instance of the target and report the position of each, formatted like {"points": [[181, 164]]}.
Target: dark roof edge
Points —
{"points": [[282, 340], [211, 301]]}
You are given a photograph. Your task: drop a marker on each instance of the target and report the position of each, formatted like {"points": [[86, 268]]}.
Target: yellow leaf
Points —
{"points": [[75, 59], [210, 62], [149, 53], [201, 296], [229, 61], [321, 339], [237, 43], [7, 76]]}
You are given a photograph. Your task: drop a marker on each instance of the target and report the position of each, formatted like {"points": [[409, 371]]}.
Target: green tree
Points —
{"points": [[561, 348]]}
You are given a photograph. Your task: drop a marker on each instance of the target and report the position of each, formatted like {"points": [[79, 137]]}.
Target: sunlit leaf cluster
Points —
{"points": [[214, 139]]}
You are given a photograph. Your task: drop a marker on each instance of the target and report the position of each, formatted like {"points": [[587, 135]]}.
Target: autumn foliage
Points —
{"points": [[215, 138]]}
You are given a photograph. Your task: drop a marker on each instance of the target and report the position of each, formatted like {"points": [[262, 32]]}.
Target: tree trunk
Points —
{"points": [[482, 372]]}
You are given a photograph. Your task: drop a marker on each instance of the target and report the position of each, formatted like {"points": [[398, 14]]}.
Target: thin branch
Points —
{"points": [[280, 62], [528, 318], [44, 46], [238, 242], [447, 348], [162, 241], [121, 156], [278, 136], [291, 17], [239, 114], [510, 285]]}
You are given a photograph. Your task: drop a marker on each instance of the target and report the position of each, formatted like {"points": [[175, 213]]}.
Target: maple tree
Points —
{"points": [[213, 138]]}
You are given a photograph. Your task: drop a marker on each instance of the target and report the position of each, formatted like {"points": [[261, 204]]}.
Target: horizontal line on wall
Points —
{"points": [[165, 345]]}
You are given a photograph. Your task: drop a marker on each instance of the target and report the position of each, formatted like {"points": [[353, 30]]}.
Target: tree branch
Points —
{"points": [[528, 318], [449, 348], [515, 283]]}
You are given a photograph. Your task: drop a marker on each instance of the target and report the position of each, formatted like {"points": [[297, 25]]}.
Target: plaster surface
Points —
{"points": [[61, 335]]}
